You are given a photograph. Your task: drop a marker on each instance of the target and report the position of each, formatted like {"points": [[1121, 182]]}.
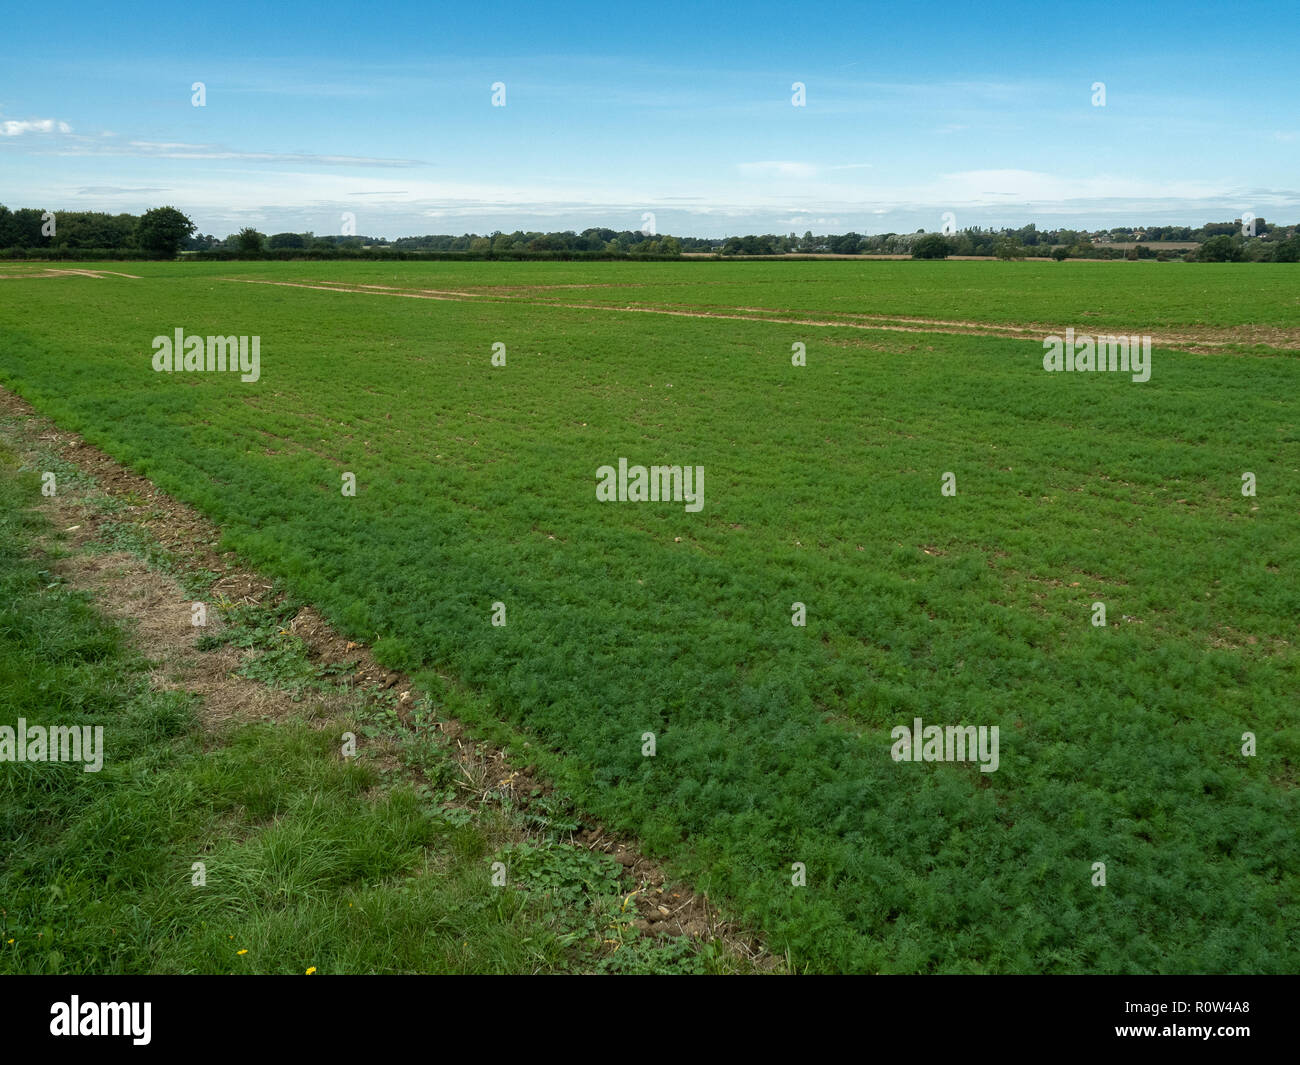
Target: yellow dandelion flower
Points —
{"points": [[241, 952], [311, 970]]}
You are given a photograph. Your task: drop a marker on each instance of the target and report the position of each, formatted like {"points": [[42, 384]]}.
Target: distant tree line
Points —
{"points": [[590, 243], [1219, 242], [164, 232], [1214, 242]]}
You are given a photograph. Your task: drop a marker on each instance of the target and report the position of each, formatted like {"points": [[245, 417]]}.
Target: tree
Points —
{"points": [[163, 230], [287, 240], [1007, 248], [931, 246], [1060, 253], [249, 240], [1220, 249], [1287, 251], [1259, 251], [22, 228], [92, 229]]}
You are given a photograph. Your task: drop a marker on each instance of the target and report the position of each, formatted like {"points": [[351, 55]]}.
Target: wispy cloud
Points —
{"points": [[808, 221], [185, 150], [168, 150], [115, 190]]}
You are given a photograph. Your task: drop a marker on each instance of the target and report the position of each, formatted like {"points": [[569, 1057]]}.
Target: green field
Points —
{"points": [[317, 864], [476, 484]]}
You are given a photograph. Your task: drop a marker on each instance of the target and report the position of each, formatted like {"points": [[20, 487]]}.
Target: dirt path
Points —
{"points": [[97, 275], [1204, 340], [156, 609]]}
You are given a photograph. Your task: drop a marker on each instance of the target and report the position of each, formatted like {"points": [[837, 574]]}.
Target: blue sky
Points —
{"points": [[680, 110]]}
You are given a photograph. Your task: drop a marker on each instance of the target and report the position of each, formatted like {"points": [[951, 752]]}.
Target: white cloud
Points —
{"points": [[12, 127], [223, 196], [787, 168]]}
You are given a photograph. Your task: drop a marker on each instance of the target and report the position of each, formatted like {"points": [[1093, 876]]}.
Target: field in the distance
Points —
{"points": [[476, 484]]}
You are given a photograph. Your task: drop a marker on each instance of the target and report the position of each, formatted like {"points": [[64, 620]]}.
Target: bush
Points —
{"points": [[1287, 251], [1220, 249], [249, 240], [932, 246]]}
